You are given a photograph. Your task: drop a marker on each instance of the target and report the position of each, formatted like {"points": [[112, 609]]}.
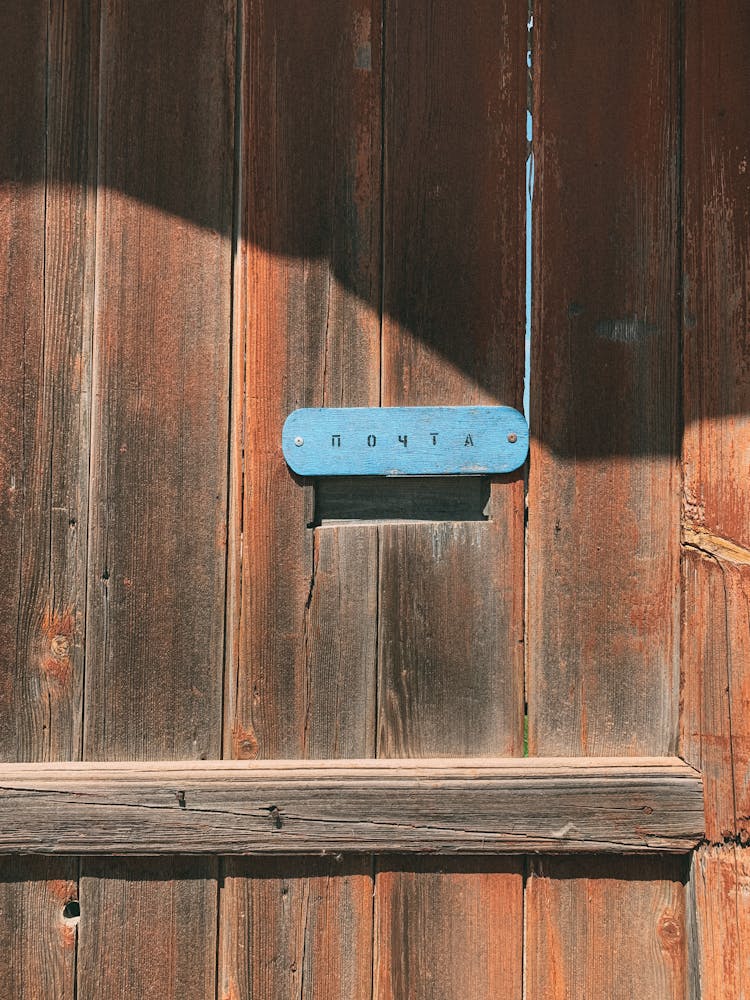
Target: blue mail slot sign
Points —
{"points": [[405, 441]]}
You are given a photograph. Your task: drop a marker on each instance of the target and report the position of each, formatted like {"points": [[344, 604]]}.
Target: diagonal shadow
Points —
{"points": [[603, 361]]}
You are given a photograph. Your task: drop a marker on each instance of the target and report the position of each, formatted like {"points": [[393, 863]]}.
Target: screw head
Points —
{"points": [[512, 437], [299, 441]]}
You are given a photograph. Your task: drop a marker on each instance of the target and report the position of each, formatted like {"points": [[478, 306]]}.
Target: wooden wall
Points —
{"points": [[215, 211]]}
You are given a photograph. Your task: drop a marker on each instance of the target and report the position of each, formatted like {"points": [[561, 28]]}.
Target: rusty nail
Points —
{"points": [[512, 438]]}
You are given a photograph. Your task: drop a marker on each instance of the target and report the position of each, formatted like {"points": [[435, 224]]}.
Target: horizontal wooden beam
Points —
{"points": [[472, 806]]}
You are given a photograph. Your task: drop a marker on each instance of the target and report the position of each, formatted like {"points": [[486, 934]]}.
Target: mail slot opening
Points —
{"points": [[418, 498]]}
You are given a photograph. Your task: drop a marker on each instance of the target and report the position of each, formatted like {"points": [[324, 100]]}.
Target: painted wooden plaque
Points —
{"points": [[405, 441]]}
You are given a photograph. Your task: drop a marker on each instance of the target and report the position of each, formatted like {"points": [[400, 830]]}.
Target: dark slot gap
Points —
{"points": [[413, 498]]}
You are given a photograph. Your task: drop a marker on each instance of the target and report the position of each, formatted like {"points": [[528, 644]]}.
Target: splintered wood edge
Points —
{"points": [[468, 806]]}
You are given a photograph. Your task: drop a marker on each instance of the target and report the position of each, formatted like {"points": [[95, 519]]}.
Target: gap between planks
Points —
{"points": [[469, 806]]}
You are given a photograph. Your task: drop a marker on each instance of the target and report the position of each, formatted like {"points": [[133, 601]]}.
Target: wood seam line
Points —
{"points": [[502, 805], [716, 546]]}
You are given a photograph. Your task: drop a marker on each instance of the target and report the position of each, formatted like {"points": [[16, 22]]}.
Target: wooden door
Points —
{"points": [[269, 737]]}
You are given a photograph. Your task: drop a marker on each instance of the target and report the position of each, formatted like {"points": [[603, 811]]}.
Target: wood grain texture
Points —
{"points": [[161, 354], [48, 479], [450, 683], [45, 288], [715, 730], [716, 681], [303, 601], [451, 604], [603, 605], [603, 530], [716, 318], [716, 449], [22, 166], [484, 806], [158, 519], [148, 929], [721, 889], [606, 929], [37, 940], [296, 928], [449, 929], [309, 280], [46, 81], [450, 630]]}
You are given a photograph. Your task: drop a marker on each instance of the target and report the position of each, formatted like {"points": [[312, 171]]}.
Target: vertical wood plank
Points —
{"points": [[37, 937], [148, 929], [310, 286], [296, 928], [606, 930], [716, 680], [48, 376], [301, 663], [450, 636], [603, 531], [451, 595], [716, 465], [45, 277], [47, 80], [450, 671], [603, 605], [66, 407], [158, 526], [716, 251], [449, 928], [22, 162], [716, 450], [721, 898], [162, 325]]}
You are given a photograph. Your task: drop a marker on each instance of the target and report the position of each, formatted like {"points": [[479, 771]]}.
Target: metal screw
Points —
{"points": [[299, 441], [512, 438]]}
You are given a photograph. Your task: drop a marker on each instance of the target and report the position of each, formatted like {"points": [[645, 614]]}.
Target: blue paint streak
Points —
{"points": [[529, 222]]}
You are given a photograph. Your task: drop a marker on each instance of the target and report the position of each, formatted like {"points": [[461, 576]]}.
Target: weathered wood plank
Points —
{"points": [[46, 283], [716, 319], [721, 890], [450, 630], [606, 929], [22, 171], [37, 934], [309, 282], [302, 617], [49, 283], [450, 680], [449, 929], [716, 448], [603, 606], [476, 806], [296, 928], [603, 531], [451, 595], [716, 680], [47, 77], [161, 352], [158, 517], [715, 726], [148, 929]]}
